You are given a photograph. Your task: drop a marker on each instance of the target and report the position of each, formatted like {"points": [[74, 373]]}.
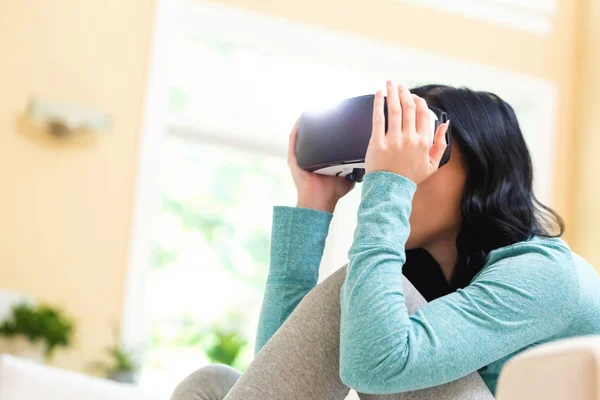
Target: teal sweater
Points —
{"points": [[528, 293]]}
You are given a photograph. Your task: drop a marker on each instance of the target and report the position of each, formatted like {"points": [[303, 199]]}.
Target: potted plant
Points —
{"points": [[36, 331], [224, 346], [225, 341], [123, 365]]}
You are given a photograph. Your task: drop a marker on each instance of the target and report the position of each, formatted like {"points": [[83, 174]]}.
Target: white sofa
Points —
{"points": [[562, 370], [567, 369], [27, 380], [22, 379]]}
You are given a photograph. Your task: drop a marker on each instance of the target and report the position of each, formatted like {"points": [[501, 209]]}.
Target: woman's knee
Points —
{"points": [[324, 298], [327, 292], [211, 382]]}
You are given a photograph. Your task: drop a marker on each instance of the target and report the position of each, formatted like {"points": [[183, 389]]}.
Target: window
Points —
{"points": [[229, 112], [210, 253], [224, 89]]}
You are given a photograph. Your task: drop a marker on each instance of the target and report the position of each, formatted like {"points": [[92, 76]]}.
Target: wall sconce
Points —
{"points": [[66, 119]]}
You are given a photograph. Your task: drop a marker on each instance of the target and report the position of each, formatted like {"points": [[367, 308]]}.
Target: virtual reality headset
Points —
{"points": [[335, 142]]}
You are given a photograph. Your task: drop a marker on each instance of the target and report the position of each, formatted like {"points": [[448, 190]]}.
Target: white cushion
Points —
{"points": [[26, 380], [562, 370]]}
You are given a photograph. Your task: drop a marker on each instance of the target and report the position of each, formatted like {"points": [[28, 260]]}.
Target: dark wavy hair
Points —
{"points": [[498, 205]]}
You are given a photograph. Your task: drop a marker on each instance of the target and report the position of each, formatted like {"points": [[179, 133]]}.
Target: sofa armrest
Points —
{"points": [[564, 369]]}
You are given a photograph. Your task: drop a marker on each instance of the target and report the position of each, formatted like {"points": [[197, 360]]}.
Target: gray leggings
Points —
{"points": [[301, 360]]}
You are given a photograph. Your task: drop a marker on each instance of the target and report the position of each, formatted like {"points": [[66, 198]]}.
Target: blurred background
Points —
{"points": [[142, 148]]}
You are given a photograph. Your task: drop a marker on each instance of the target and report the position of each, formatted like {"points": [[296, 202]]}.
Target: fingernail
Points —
{"points": [[378, 93], [389, 82]]}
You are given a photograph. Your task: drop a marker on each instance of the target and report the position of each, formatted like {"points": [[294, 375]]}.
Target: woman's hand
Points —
{"points": [[406, 148], [319, 192]]}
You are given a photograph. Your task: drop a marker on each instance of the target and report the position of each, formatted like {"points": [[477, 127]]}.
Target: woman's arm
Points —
{"points": [[527, 292], [297, 243]]}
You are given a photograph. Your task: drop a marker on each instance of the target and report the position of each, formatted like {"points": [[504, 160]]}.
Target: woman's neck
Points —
{"points": [[443, 250]]}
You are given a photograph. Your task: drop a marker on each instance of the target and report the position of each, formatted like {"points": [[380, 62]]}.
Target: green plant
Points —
{"points": [[225, 341], [123, 364], [39, 322], [123, 360], [225, 346]]}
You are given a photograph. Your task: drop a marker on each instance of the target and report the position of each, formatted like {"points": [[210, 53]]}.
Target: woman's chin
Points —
{"points": [[410, 244]]}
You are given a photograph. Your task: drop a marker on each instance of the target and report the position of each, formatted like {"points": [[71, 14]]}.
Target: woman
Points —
{"points": [[513, 283]]}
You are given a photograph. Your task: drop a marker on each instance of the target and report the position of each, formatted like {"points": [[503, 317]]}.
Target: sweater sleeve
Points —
{"points": [[297, 242], [525, 295]]}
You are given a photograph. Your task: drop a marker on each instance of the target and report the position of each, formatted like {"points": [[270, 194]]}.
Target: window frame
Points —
{"points": [[532, 16]]}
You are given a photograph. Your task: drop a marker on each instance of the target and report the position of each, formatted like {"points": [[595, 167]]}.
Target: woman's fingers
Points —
{"points": [[408, 106], [439, 145], [405, 148], [394, 111], [423, 122], [378, 117]]}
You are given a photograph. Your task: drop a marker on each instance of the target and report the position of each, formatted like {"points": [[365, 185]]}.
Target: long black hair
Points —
{"points": [[498, 205]]}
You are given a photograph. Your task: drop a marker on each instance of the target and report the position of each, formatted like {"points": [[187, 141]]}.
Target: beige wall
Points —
{"points": [[65, 208], [587, 136]]}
